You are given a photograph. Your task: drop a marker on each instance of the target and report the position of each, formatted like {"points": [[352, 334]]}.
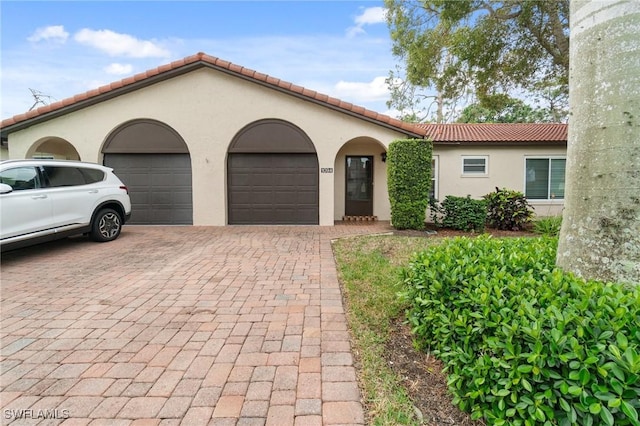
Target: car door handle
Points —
{"points": [[93, 191], [38, 197]]}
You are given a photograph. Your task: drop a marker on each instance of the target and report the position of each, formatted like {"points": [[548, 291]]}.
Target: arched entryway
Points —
{"points": [[272, 175], [360, 185], [153, 161], [54, 148]]}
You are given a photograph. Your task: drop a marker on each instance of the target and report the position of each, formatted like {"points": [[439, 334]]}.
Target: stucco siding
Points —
{"points": [[207, 108], [506, 169]]}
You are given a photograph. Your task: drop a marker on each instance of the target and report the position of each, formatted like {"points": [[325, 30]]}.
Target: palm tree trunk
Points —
{"points": [[600, 236]]}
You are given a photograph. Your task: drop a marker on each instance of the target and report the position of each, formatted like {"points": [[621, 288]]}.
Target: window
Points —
{"points": [[21, 178], [475, 166], [544, 178], [433, 192], [64, 176], [92, 175]]}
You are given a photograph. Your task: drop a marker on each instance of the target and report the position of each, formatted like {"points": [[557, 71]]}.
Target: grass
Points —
{"points": [[369, 270], [548, 226]]}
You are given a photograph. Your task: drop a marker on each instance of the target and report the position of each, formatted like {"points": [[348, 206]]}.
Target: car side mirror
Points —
{"points": [[5, 189]]}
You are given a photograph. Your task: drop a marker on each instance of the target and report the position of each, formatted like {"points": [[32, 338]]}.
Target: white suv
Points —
{"points": [[42, 200]]}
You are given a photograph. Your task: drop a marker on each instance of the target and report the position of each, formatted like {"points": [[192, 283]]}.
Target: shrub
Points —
{"points": [[522, 342], [463, 213], [507, 209], [549, 226], [409, 182]]}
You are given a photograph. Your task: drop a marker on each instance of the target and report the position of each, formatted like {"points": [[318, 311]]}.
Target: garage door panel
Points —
{"points": [[305, 180], [159, 186], [264, 198], [170, 215], [243, 199], [273, 188], [307, 198]]}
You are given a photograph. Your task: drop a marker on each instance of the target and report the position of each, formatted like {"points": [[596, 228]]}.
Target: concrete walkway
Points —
{"points": [[179, 325]]}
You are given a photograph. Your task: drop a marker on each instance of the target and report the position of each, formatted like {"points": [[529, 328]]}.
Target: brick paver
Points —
{"points": [[179, 325]]}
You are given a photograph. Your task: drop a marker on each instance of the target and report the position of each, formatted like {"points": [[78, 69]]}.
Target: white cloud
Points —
{"points": [[76, 69], [115, 44], [55, 33], [372, 15], [375, 90], [119, 69], [369, 16]]}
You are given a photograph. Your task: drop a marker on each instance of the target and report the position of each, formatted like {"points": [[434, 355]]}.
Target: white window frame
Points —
{"points": [[549, 158], [475, 157], [435, 175]]}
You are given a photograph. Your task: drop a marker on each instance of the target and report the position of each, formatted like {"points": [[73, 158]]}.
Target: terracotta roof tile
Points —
{"points": [[496, 132], [164, 68]]}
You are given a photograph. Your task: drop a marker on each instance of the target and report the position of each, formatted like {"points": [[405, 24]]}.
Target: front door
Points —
{"points": [[359, 186]]}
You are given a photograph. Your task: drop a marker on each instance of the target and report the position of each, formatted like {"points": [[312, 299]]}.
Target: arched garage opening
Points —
{"points": [[153, 161], [272, 175]]}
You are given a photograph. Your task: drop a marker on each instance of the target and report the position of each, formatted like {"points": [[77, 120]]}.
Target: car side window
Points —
{"points": [[21, 178], [92, 175], [64, 176]]}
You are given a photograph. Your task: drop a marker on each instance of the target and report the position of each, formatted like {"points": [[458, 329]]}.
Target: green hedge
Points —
{"points": [[409, 182], [522, 342]]}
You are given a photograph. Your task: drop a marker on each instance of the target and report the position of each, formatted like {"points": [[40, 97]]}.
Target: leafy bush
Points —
{"points": [[409, 182], [463, 213], [549, 226], [524, 343], [507, 209]]}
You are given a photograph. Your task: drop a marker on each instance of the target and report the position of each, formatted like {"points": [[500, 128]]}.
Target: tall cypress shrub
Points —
{"points": [[409, 182]]}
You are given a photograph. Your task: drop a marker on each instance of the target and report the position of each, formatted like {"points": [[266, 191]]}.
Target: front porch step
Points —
{"points": [[359, 218]]}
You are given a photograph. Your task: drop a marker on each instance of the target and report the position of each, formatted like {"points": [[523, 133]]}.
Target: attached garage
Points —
{"points": [[272, 176], [203, 141], [154, 162]]}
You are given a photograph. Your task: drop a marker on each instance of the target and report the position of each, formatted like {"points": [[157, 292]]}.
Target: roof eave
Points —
{"points": [[502, 143]]}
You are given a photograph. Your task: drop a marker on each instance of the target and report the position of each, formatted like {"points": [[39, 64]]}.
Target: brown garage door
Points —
{"points": [[159, 187], [273, 189]]}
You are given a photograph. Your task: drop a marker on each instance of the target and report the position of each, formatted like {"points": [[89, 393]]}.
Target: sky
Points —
{"points": [[341, 48]]}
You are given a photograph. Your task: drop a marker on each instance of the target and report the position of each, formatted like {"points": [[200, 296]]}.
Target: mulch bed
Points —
{"points": [[422, 377], [433, 231]]}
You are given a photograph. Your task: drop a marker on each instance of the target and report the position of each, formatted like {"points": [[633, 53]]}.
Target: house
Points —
{"points": [[474, 159], [206, 142]]}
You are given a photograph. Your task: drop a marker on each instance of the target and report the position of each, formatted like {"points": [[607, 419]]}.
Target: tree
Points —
{"points": [[600, 234], [491, 47], [503, 110]]}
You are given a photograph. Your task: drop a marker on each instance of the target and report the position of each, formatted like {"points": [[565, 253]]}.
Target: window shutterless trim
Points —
{"points": [[548, 158], [485, 159], [435, 179]]}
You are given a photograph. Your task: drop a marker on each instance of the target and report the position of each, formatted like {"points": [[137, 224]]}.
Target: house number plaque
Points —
{"points": [[326, 170]]}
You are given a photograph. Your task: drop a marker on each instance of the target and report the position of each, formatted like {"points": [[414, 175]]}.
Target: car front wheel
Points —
{"points": [[106, 226]]}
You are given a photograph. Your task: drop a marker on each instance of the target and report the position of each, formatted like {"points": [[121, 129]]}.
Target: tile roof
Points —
{"points": [[185, 65], [496, 132]]}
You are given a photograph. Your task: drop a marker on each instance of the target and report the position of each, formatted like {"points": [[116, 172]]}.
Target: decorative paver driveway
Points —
{"points": [[179, 325]]}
